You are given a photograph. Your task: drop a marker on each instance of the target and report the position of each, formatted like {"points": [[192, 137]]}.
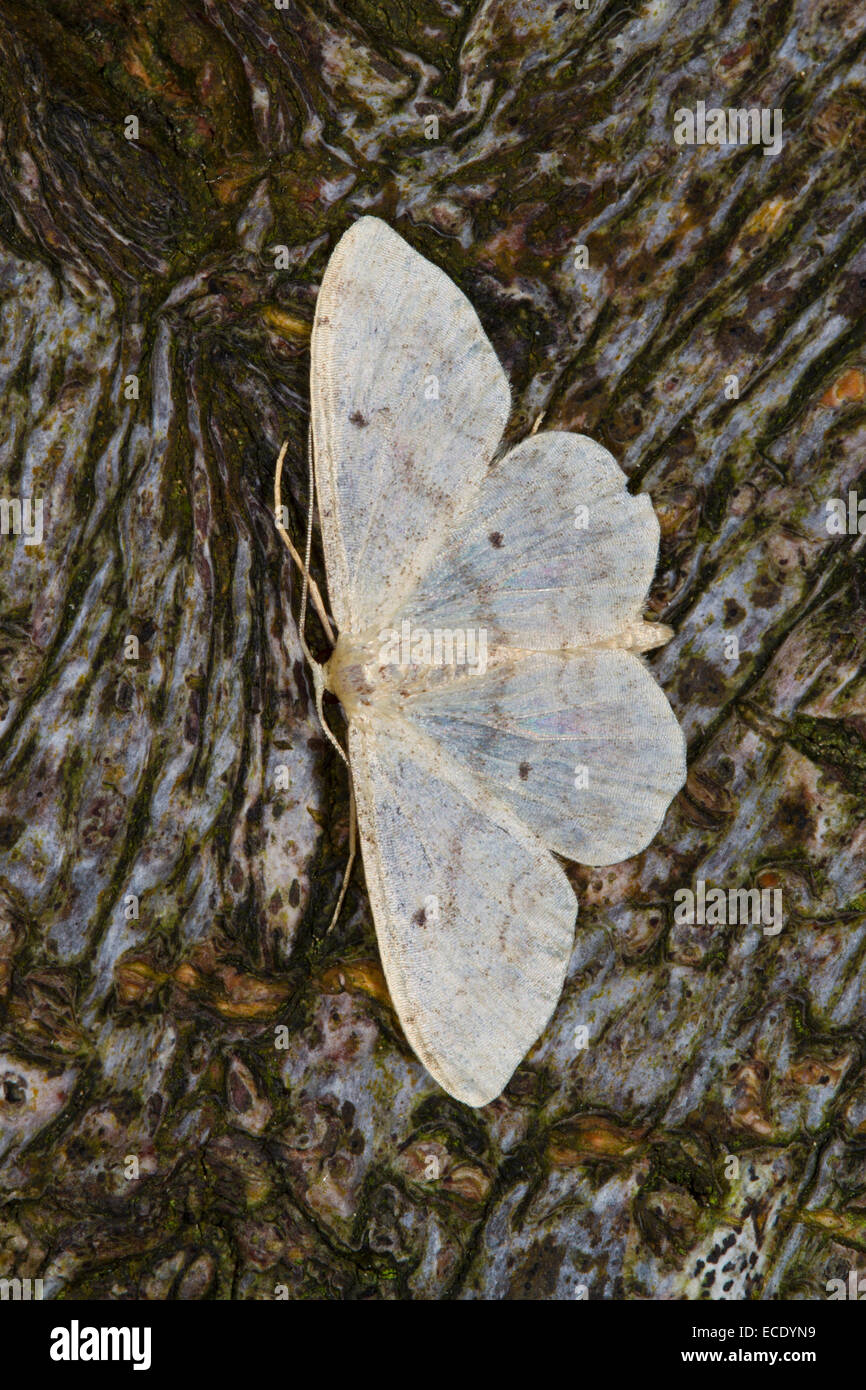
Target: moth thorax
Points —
{"points": [[350, 672]]}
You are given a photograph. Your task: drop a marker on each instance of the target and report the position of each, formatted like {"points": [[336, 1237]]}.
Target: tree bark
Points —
{"points": [[203, 1093]]}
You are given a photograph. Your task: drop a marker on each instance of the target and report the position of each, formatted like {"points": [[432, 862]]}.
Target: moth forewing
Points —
{"points": [[394, 462]]}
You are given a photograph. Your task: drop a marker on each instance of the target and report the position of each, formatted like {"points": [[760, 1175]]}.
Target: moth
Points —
{"points": [[471, 776]]}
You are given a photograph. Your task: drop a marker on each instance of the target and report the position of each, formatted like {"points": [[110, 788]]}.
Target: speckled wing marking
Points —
{"points": [[529, 568], [474, 919], [409, 403], [582, 747]]}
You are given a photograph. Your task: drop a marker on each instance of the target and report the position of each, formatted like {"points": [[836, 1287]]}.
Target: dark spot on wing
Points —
{"points": [[524, 770], [495, 539], [356, 418], [420, 918]]}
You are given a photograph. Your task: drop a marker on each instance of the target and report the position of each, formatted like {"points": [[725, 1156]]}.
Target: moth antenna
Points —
{"points": [[310, 583], [308, 549], [353, 822]]}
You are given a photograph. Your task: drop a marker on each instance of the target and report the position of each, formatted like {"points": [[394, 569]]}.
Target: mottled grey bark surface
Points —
{"points": [[212, 1098]]}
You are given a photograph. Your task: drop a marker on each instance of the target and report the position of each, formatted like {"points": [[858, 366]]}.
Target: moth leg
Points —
{"points": [[310, 587], [353, 841]]}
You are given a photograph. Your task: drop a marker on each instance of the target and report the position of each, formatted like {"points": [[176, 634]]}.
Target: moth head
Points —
{"points": [[349, 674]]}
